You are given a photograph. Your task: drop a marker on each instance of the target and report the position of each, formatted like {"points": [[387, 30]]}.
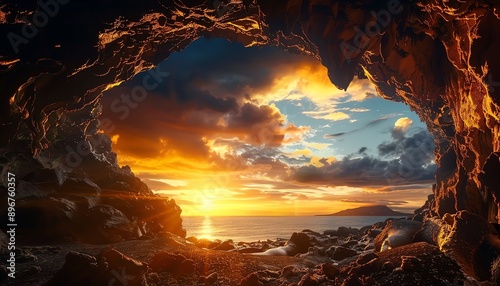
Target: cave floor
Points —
{"points": [[230, 267]]}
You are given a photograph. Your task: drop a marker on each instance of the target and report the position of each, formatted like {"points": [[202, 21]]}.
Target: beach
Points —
{"points": [[342, 256]]}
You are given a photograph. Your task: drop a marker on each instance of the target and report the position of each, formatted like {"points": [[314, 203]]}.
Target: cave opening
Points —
{"points": [[225, 122]]}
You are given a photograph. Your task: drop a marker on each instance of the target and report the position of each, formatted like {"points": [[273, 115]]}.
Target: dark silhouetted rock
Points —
{"points": [[329, 270], [346, 231], [226, 245], [79, 269], [192, 239], [408, 263], [300, 241], [341, 253], [186, 267], [250, 250], [48, 218], [206, 243], [106, 224], [119, 262], [388, 266], [373, 232], [165, 261]]}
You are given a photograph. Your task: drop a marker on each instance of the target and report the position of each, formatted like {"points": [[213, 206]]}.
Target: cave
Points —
{"points": [[59, 57]]}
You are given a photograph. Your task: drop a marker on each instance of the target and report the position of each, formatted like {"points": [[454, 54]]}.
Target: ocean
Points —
{"points": [[263, 228]]}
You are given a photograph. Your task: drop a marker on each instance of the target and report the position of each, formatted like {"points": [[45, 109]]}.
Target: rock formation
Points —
{"points": [[57, 57]]}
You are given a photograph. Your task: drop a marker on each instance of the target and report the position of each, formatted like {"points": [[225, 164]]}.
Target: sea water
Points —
{"points": [[263, 228]]}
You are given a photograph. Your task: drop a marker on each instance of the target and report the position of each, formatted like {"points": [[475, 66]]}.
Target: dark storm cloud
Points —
{"points": [[208, 94], [420, 140], [406, 160], [230, 70]]}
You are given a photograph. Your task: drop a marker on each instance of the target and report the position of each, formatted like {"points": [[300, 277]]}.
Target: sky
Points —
{"points": [[236, 131]]}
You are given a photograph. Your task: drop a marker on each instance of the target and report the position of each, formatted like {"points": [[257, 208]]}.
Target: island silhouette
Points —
{"points": [[378, 210]]}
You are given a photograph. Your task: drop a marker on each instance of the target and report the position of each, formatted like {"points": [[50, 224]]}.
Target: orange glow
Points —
{"points": [[197, 156]]}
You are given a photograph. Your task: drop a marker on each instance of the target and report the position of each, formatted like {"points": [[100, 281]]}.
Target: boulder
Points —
{"points": [[396, 233], [300, 241], [346, 231], [186, 267], [49, 218], [409, 263], [164, 261], [108, 268], [207, 243], [341, 253], [250, 250], [118, 261], [105, 224], [192, 239], [330, 232], [472, 242], [225, 246], [329, 270], [82, 191]]}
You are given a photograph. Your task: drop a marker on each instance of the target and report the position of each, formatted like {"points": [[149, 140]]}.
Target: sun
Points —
{"points": [[206, 204]]}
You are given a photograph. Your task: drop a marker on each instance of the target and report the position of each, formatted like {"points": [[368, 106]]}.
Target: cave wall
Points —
{"points": [[436, 56]]}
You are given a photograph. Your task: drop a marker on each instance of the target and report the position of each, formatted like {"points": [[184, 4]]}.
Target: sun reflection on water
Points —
{"points": [[207, 230]]}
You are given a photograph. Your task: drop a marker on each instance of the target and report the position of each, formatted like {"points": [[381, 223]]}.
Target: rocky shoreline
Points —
{"points": [[345, 256]]}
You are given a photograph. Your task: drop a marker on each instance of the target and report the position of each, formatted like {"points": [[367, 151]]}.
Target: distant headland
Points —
{"points": [[368, 211]]}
